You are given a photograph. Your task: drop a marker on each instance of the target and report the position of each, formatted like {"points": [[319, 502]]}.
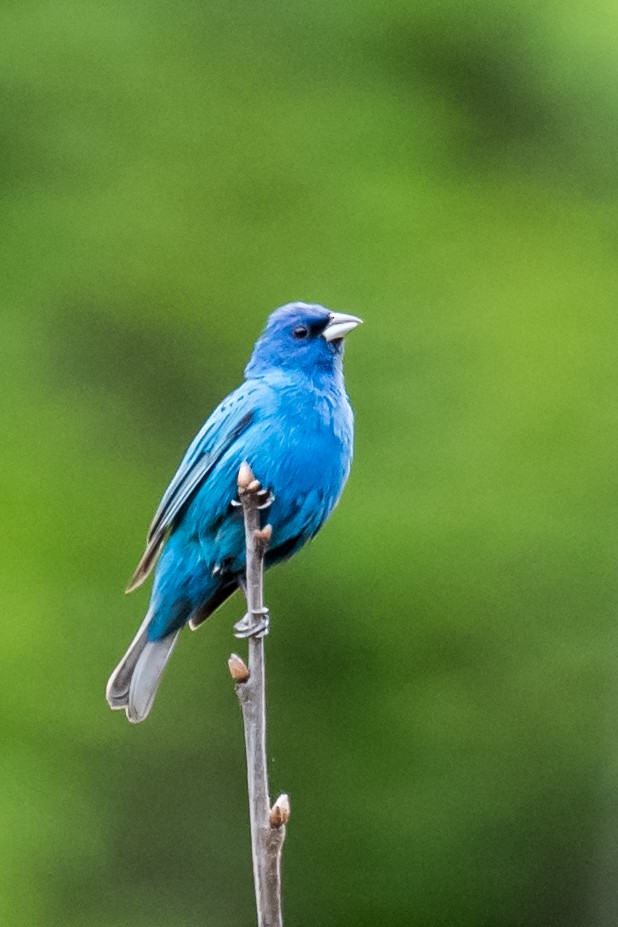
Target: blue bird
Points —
{"points": [[291, 421]]}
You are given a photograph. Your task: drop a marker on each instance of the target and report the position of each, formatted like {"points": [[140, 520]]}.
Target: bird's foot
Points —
{"points": [[265, 499], [253, 624]]}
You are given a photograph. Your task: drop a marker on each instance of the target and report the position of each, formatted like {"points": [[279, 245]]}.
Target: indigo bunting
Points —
{"points": [[291, 421]]}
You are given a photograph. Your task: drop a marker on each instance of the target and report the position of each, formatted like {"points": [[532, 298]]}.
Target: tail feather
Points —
{"points": [[147, 676], [134, 683], [117, 691]]}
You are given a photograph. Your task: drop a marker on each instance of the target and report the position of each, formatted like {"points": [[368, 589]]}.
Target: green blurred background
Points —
{"points": [[443, 679]]}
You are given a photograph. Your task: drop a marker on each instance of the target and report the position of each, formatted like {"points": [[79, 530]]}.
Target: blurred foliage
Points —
{"points": [[442, 672]]}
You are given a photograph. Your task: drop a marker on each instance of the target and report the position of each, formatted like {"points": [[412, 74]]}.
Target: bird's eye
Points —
{"points": [[301, 331]]}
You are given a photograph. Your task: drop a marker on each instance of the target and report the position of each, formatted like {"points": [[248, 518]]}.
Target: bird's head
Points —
{"points": [[301, 336]]}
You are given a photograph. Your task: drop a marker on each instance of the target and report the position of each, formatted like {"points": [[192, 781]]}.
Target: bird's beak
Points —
{"points": [[339, 325]]}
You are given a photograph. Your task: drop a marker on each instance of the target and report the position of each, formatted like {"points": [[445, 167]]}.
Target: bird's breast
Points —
{"points": [[304, 454], [300, 448]]}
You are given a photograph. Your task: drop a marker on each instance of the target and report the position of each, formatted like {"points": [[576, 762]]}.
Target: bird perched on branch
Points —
{"points": [[292, 423]]}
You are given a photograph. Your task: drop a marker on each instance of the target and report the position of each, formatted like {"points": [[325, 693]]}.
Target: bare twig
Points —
{"points": [[267, 824]]}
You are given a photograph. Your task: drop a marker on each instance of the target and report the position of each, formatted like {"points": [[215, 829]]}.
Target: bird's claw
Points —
{"points": [[253, 624], [266, 498]]}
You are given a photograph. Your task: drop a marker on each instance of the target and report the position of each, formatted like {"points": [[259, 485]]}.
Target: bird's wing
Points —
{"points": [[226, 424]]}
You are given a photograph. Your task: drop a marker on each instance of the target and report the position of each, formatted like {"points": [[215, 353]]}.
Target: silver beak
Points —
{"points": [[339, 325]]}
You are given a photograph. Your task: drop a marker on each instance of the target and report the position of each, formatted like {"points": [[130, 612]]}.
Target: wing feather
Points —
{"points": [[227, 423]]}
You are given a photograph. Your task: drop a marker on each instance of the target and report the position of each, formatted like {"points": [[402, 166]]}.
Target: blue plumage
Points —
{"points": [[292, 422]]}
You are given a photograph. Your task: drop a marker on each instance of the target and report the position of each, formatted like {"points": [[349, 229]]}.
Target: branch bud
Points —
{"points": [[264, 534], [238, 668], [280, 811], [245, 477]]}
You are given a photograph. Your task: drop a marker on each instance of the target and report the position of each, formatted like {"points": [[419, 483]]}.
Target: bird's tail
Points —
{"points": [[134, 683]]}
